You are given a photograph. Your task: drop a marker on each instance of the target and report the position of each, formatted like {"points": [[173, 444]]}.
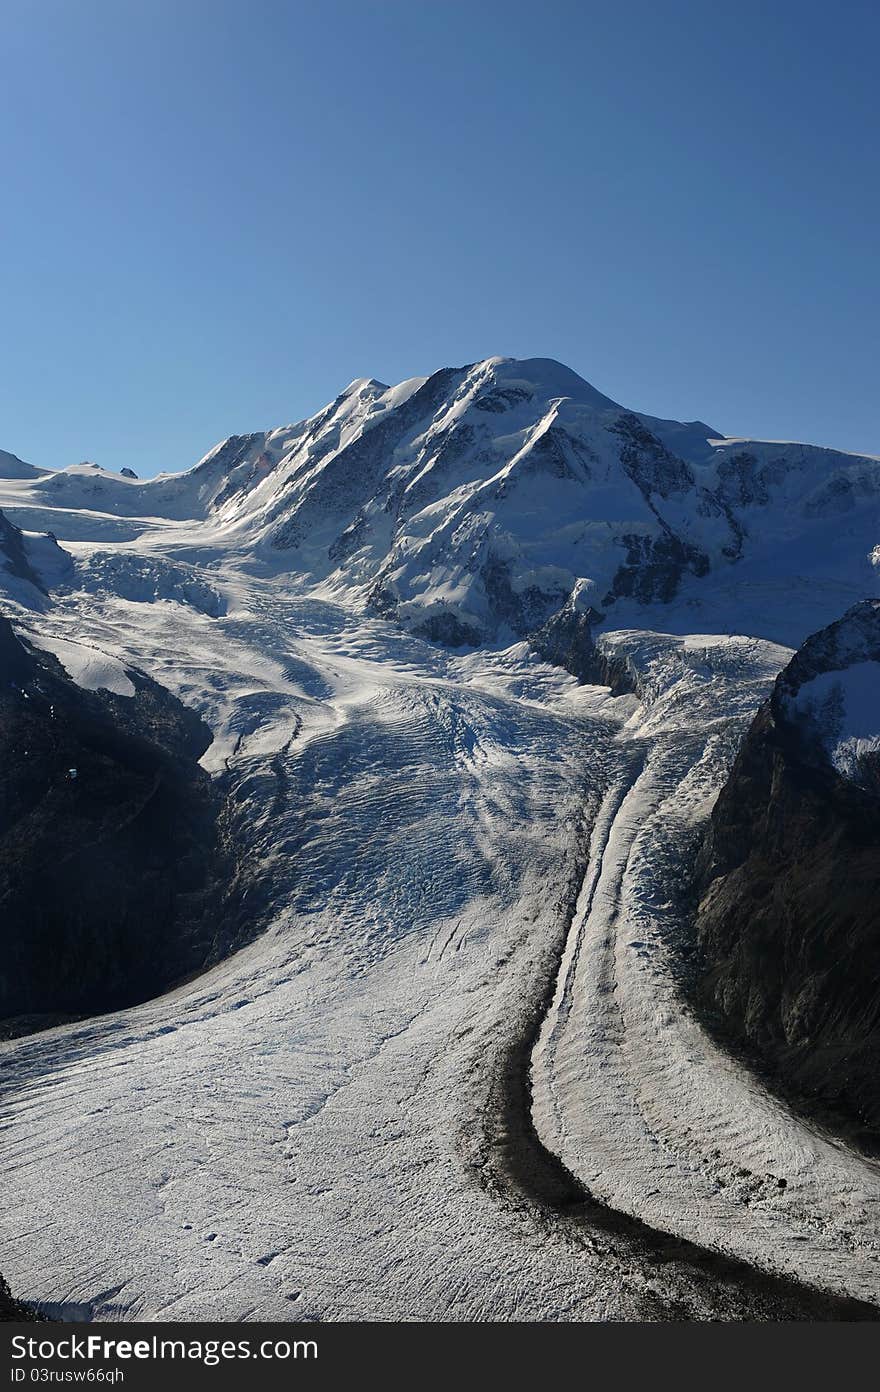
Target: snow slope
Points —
{"points": [[89, 668], [311, 1130]]}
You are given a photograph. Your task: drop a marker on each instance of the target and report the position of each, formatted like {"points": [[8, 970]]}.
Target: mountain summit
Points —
{"points": [[473, 504]]}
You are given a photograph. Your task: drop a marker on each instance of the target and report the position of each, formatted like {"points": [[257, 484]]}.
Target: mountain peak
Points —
{"points": [[362, 385], [474, 502], [552, 378]]}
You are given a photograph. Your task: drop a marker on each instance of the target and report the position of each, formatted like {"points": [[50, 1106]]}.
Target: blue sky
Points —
{"points": [[216, 214]]}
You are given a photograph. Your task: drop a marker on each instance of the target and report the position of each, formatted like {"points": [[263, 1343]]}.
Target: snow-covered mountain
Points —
{"points": [[478, 858], [472, 504]]}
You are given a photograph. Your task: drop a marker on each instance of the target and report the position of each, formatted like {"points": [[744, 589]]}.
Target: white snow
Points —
{"points": [[723, 441], [89, 668]]}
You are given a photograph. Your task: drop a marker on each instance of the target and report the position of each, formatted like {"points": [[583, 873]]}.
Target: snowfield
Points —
{"points": [[481, 859]]}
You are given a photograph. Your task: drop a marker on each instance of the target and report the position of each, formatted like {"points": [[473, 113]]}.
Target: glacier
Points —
{"points": [[484, 860]]}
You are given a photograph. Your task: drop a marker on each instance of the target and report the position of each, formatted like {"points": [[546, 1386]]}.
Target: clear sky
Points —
{"points": [[215, 213]]}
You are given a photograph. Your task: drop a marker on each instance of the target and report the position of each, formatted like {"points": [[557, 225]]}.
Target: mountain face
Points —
{"points": [[789, 918], [119, 872], [474, 504]]}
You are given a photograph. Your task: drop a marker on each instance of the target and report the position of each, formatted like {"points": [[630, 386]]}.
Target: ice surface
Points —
{"points": [[629, 1090]]}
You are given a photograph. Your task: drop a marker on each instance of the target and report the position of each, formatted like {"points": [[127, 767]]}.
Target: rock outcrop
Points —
{"points": [[789, 876], [119, 872], [12, 1310], [13, 554]]}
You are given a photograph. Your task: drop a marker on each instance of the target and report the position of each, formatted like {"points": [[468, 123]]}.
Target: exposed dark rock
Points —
{"points": [[566, 640], [128, 473], [445, 628], [789, 881], [844, 491], [13, 555], [617, 671], [16, 666], [382, 601], [654, 567], [658, 473], [651, 466], [523, 609], [548, 455], [119, 869], [361, 465], [501, 400], [11, 1310], [350, 539], [743, 482], [229, 457]]}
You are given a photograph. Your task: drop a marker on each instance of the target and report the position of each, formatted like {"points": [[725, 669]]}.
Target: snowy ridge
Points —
{"points": [[11, 467], [473, 503]]}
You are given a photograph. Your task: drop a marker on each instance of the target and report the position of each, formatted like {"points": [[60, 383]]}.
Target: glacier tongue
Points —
{"points": [[305, 1131]]}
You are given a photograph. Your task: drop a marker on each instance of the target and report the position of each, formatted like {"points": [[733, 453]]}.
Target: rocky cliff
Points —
{"points": [[119, 872], [789, 876]]}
